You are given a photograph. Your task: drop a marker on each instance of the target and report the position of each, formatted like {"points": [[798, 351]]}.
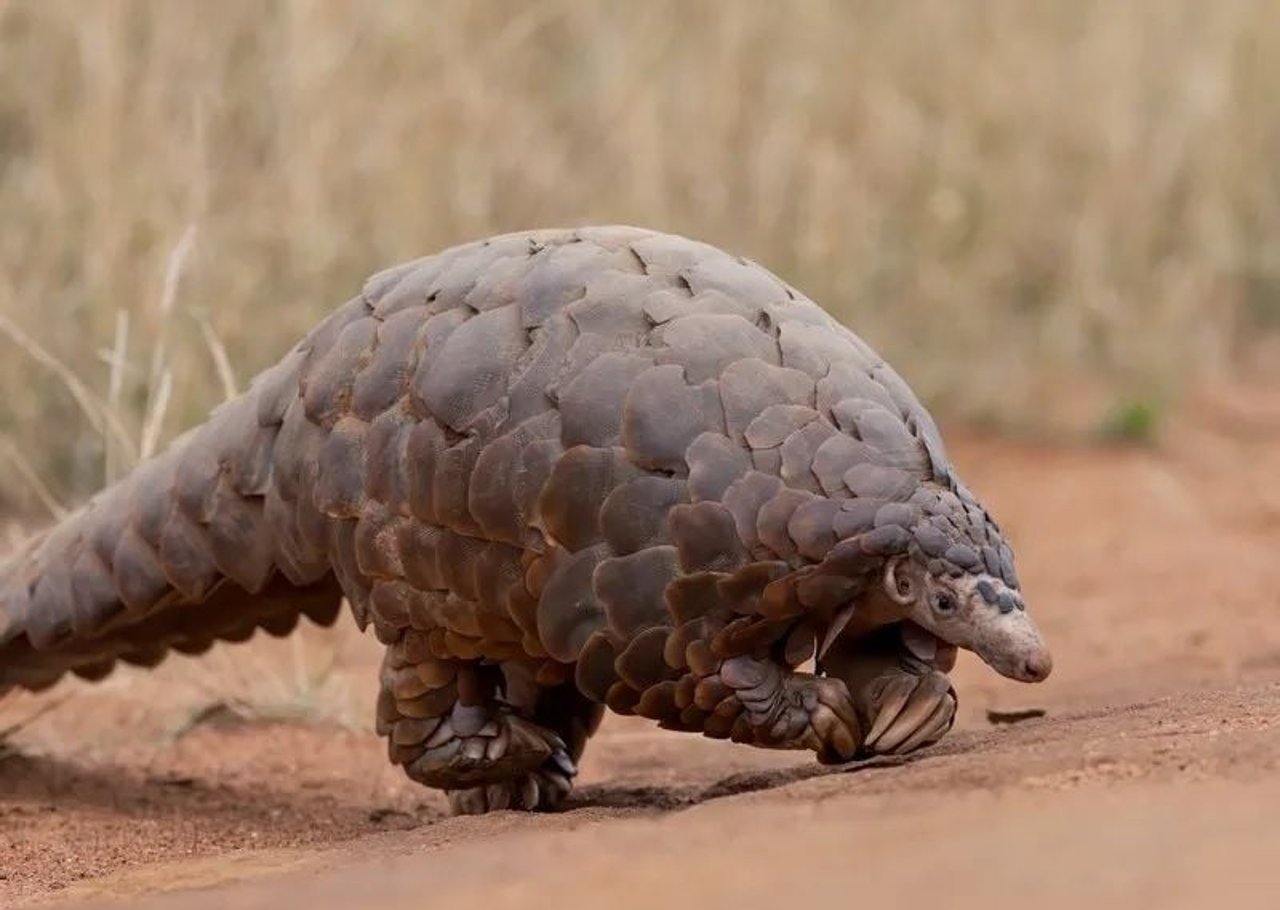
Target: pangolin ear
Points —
{"points": [[899, 585]]}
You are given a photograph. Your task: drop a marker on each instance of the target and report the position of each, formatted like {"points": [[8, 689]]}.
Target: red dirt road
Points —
{"points": [[1152, 780]]}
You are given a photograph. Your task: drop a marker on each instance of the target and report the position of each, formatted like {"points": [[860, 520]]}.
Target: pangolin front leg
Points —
{"points": [[903, 701], [784, 709], [749, 694]]}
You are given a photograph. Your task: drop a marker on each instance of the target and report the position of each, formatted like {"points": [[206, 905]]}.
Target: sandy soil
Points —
{"points": [[1151, 780]]}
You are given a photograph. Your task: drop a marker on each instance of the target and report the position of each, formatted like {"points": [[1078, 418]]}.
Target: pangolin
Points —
{"points": [[557, 472]]}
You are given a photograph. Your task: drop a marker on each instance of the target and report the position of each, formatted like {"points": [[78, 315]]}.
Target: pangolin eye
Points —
{"points": [[944, 602]]}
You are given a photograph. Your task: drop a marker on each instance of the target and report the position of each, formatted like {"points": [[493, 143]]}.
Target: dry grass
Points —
{"points": [[1045, 213]]}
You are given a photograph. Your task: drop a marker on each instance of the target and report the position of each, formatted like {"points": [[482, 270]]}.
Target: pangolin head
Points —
{"points": [[974, 610], [956, 581], [946, 576]]}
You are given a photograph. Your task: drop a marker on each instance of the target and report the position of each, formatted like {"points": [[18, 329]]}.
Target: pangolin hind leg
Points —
{"points": [[488, 734], [566, 720]]}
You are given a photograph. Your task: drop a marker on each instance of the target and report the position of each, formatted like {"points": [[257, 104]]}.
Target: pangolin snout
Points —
{"points": [[1036, 666], [1005, 638]]}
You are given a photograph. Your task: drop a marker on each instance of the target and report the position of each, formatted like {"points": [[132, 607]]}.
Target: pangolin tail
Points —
{"points": [[199, 544]]}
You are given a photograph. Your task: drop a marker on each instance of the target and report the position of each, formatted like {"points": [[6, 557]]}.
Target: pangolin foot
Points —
{"points": [[789, 710], [907, 711], [543, 789], [489, 759]]}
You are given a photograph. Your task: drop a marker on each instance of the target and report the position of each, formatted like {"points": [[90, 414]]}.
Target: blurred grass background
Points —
{"points": [[1051, 216]]}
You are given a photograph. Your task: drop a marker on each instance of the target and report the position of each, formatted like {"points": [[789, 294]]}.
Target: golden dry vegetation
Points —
{"points": [[1048, 215]]}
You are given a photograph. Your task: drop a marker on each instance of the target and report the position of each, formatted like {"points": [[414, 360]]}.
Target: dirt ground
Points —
{"points": [[1152, 779]]}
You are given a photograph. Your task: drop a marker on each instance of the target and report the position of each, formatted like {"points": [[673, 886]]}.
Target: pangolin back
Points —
{"points": [[516, 445]]}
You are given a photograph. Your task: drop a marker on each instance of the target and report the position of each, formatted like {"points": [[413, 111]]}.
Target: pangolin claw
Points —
{"points": [[540, 790], [910, 712]]}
